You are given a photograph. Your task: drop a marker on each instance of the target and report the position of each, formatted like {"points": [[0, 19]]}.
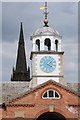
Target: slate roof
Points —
{"points": [[13, 90]]}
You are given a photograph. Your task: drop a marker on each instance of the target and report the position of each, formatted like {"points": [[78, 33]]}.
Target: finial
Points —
{"points": [[46, 15]]}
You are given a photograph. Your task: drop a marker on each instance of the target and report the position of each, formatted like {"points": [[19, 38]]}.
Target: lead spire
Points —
{"points": [[21, 73]]}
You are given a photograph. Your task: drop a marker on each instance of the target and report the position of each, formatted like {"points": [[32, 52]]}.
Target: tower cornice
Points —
{"points": [[45, 52]]}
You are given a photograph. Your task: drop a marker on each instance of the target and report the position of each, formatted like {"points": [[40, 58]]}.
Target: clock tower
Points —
{"points": [[46, 54]]}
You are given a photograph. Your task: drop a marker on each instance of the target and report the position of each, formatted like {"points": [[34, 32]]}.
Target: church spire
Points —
{"points": [[21, 72], [21, 57]]}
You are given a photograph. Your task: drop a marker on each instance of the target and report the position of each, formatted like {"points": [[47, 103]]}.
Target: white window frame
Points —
{"points": [[51, 97]]}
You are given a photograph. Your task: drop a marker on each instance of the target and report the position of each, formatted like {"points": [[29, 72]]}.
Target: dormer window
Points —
{"points": [[51, 94]]}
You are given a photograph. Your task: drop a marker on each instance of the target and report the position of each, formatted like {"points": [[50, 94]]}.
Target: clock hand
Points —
{"points": [[50, 64]]}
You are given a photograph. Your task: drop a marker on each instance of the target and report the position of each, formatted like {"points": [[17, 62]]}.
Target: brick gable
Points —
{"points": [[31, 104]]}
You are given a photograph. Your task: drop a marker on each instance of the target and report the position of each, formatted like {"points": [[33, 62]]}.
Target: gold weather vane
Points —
{"points": [[45, 8]]}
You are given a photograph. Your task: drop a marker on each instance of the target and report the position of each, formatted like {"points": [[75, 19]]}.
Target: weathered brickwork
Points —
{"points": [[32, 105]]}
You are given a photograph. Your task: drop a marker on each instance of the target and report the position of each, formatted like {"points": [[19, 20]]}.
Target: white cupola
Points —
{"points": [[46, 39]]}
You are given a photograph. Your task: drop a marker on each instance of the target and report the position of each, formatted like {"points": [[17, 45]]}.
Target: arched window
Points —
{"points": [[38, 44], [56, 43], [51, 94], [47, 43]]}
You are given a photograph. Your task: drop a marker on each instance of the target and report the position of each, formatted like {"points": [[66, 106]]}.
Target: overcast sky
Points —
{"points": [[63, 16]]}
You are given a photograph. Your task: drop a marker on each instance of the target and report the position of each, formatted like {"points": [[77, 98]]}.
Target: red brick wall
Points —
{"points": [[0, 113]]}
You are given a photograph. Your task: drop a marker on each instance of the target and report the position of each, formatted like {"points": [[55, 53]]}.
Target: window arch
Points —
{"points": [[56, 43], [38, 44], [51, 94], [47, 43]]}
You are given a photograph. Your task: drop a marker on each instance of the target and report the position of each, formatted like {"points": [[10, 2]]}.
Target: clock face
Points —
{"points": [[47, 64]]}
